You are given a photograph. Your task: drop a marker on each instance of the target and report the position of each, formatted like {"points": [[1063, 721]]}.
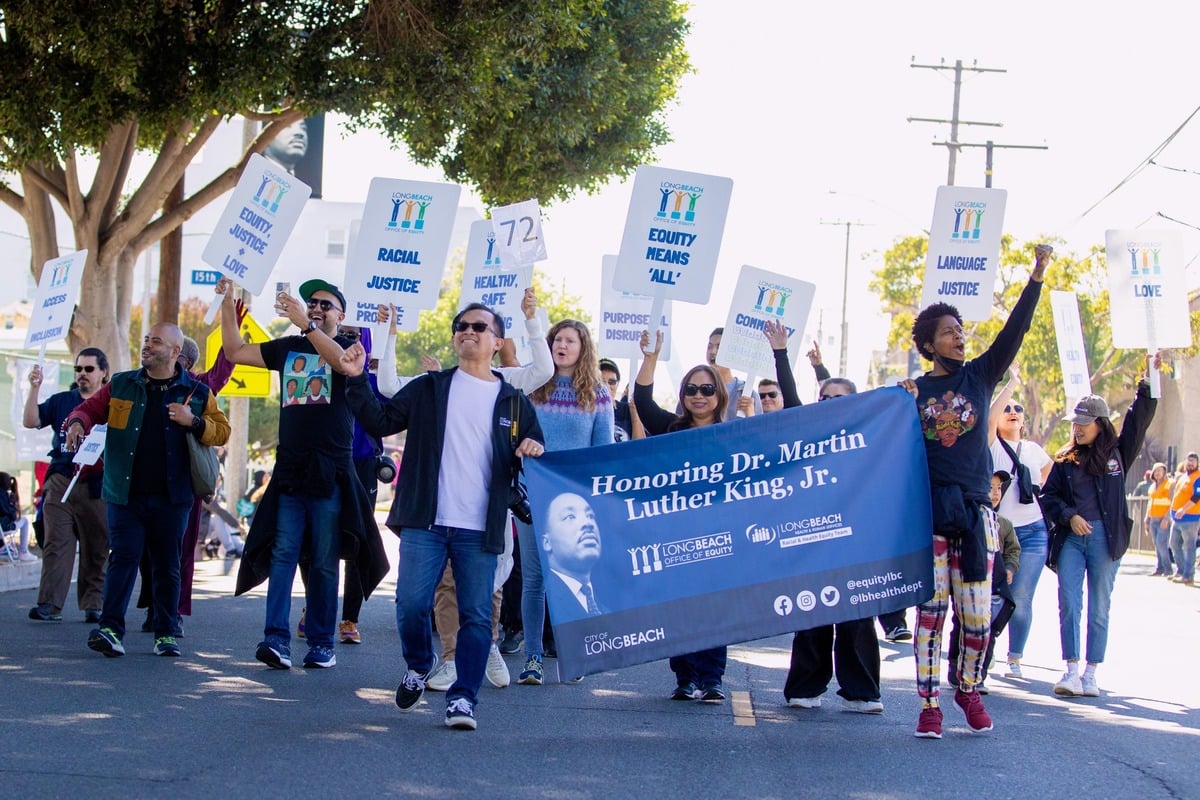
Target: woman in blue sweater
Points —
{"points": [[574, 410]]}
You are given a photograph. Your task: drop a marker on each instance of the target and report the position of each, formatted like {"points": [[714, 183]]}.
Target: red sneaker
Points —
{"points": [[972, 705], [929, 724]]}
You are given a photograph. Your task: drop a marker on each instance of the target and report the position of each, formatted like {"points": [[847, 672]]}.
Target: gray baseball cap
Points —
{"points": [[1089, 408]]}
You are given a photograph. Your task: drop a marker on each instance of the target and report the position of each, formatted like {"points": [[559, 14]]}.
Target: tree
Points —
{"points": [[517, 98], [433, 336], [1113, 372]]}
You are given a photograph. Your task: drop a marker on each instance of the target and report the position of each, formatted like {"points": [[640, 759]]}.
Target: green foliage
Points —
{"points": [[433, 338], [1113, 372]]}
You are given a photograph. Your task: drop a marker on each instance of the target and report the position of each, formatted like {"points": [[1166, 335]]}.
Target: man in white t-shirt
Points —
{"points": [[451, 500]]}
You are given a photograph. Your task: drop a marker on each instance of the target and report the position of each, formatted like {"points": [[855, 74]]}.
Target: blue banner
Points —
{"points": [[733, 532]]}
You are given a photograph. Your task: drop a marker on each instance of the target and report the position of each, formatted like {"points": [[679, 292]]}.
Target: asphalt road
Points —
{"points": [[217, 724]]}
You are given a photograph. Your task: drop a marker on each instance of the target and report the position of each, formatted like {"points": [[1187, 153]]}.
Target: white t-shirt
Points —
{"points": [[1031, 455], [465, 474]]}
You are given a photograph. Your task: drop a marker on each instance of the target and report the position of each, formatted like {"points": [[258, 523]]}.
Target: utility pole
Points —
{"points": [[954, 145], [845, 291]]}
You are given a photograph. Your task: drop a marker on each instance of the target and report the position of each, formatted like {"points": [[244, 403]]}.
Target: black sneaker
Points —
{"points": [[44, 612], [513, 639], [106, 641], [409, 692], [713, 694], [460, 715], [91, 616], [275, 655], [166, 646], [685, 691], [898, 634]]}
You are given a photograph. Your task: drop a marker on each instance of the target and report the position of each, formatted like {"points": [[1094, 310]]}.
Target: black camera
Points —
{"points": [[385, 469], [518, 502]]}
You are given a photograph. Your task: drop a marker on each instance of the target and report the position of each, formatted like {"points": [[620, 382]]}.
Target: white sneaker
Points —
{"points": [[1070, 685], [1014, 670], [1089, 687], [442, 678], [805, 702], [497, 670], [863, 706], [27, 556]]}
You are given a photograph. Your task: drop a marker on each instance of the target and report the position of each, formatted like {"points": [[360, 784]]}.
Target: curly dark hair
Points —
{"points": [[925, 325]]}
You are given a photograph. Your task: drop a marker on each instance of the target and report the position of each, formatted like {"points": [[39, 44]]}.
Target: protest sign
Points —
{"points": [[758, 297], [399, 251], [517, 228], [623, 317], [1147, 290], [964, 249], [673, 234], [54, 305], [735, 531], [1072, 354], [256, 224]]}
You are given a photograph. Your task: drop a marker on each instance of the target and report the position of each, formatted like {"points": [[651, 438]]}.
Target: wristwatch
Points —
{"points": [[312, 326]]}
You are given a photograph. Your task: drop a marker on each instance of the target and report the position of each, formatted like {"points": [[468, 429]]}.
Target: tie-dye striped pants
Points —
{"points": [[972, 604]]}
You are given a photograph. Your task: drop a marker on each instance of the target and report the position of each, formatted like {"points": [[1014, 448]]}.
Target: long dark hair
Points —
{"points": [[684, 421], [8, 483], [1092, 458]]}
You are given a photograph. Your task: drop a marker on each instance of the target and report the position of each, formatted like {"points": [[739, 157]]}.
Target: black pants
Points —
{"points": [[893, 620], [847, 648]]}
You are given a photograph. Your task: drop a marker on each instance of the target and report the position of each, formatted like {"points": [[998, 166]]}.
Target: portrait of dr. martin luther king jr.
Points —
{"points": [[571, 540]]}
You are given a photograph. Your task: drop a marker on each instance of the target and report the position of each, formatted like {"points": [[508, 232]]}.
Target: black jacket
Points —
{"points": [[420, 408], [1058, 501]]}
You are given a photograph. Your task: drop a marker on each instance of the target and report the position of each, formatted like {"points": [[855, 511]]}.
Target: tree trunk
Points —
{"points": [[103, 314], [43, 232], [170, 263]]}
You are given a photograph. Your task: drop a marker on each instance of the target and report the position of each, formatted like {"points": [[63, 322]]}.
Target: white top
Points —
{"points": [[525, 378], [1031, 455], [465, 474]]}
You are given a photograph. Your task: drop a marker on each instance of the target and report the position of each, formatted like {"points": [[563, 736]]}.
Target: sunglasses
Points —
{"points": [[478, 327], [351, 335], [88, 369], [706, 389], [325, 305], [768, 395], [1014, 408]]}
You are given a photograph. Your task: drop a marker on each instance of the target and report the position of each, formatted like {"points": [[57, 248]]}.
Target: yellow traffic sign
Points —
{"points": [[245, 381]]}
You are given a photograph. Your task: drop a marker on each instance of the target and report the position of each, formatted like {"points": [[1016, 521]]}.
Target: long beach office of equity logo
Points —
{"points": [[1143, 258], [968, 221], [678, 202], [408, 211], [771, 298], [649, 558], [271, 191], [60, 273]]}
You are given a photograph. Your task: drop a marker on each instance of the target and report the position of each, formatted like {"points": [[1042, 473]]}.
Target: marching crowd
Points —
{"points": [[1002, 507]]}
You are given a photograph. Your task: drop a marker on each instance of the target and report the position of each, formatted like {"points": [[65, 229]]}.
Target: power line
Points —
{"points": [[1144, 163]]}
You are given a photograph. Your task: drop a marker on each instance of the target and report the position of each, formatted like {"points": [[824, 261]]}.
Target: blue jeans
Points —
{"points": [[1183, 547], [315, 520], [152, 523], [1162, 544], [1080, 555], [1033, 538], [423, 556], [533, 590]]}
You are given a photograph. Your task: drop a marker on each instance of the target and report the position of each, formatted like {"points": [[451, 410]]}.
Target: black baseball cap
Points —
{"points": [[309, 288], [609, 364]]}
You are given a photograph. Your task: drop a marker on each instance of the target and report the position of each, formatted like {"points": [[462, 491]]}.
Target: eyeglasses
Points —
{"points": [[478, 327], [324, 304], [768, 395], [706, 389], [88, 369], [1014, 408]]}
